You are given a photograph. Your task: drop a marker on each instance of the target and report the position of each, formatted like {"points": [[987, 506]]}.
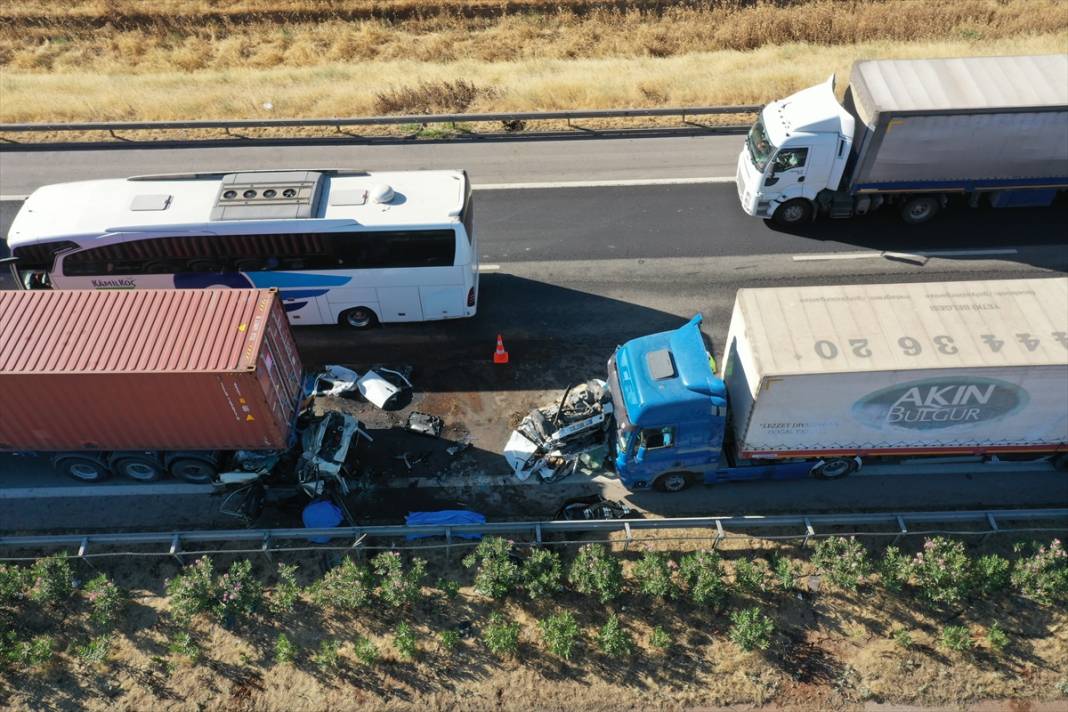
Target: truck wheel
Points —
{"points": [[194, 470], [920, 209], [139, 467], [358, 318], [673, 481], [793, 212], [835, 469], [84, 469]]}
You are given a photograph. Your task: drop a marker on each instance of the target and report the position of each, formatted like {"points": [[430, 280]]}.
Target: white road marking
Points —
{"points": [[144, 490], [908, 256], [12, 198], [602, 183]]}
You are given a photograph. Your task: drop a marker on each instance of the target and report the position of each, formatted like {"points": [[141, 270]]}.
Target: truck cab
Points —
{"points": [[670, 409], [798, 147]]}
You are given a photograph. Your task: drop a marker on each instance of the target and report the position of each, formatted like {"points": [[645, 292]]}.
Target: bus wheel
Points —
{"points": [[139, 467], [835, 469], [358, 318], [673, 481], [84, 469], [192, 469]]}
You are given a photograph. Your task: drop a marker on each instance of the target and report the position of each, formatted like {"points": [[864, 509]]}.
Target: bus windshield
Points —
{"points": [[760, 146]]}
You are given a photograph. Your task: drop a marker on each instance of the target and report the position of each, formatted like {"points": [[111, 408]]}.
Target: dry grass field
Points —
{"points": [[129, 59]]}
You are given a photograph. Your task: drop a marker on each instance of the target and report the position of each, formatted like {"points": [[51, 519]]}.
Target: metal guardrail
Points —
{"points": [[418, 119], [808, 527]]}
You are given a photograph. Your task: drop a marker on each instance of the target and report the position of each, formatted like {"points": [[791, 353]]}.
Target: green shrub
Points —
{"points": [[326, 657], [95, 651], [895, 569], [240, 593], [35, 653], [405, 642], [943, 571], [903, 638], [750, 575], [661, 639], [448, 639], [751, 629], [542, 574], [702, 573], [347, 586], [596, 572], [193, 590], [501, 636], [14, 583], [614, 639], [286, 592], [787, 574], [398, 587], [1043, 575], [996, 637], [106, 600], [497, 574], [560, 632], [991, 575], [844, 561], [184, 645], [365, 650], [655, 574], [284, 650], [449, 587], [957, 637], [52, 580]]}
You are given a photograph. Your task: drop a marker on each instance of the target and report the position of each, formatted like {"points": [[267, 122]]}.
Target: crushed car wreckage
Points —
{"points": [[551, 441]]}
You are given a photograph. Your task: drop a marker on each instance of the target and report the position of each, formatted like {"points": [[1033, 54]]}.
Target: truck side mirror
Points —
{"points": [[640, 454], [771, 180], [11, 263]]}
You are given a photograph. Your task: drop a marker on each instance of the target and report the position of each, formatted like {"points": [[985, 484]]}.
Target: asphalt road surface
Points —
{"points": [[585, 267]]}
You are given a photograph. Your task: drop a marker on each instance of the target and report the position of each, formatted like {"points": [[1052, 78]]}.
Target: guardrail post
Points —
{"points": [[357, 546], [537, 533], [902, 529], [448, 545], [83, 548], [626, 530], [266, 547], [720, 535], [176, 549], [994, 528], [809, 533]]}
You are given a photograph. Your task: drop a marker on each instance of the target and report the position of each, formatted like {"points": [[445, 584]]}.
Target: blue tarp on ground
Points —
{"points": [[321, 514], [444, 517]]}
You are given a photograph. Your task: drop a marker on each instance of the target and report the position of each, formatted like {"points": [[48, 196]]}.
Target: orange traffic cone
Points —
{"points": [[500, 355]]}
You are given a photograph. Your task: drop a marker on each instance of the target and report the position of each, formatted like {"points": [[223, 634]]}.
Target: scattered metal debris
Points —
{"points": [[425, 424]]}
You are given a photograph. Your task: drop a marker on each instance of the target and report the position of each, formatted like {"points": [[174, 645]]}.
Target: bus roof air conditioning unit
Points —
{"points": [[279, 195]]}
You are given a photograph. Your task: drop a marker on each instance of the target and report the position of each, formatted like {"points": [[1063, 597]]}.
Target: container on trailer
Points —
{"points": [[212, 369], [954, 120], [934, 368]]}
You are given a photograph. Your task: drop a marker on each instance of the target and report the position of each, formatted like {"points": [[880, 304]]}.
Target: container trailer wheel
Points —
{"points": [[84, 469], [192, 469], [139, 467], [836, 468], [673, 481]]}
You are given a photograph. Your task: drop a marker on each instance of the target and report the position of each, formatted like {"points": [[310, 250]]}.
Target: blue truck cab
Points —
{"points": [[671, 415]]}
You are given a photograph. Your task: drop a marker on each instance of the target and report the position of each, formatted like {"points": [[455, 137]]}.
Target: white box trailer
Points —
{"points": [[978, 367]]}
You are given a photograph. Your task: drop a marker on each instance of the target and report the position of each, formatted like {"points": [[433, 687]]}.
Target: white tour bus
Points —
{"points": [[342, 247]]}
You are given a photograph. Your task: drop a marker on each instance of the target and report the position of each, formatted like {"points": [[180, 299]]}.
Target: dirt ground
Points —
{"points": [[831, 651]]}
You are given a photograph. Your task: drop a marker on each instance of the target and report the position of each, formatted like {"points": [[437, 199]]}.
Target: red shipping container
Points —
{"points": [[153, 369]]}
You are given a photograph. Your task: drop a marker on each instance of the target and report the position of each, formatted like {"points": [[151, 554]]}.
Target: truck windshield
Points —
{"points": [[760, 147]]}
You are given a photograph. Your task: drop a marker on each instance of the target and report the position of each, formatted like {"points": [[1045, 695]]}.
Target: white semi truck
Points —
{"points": [[912, 134]]}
